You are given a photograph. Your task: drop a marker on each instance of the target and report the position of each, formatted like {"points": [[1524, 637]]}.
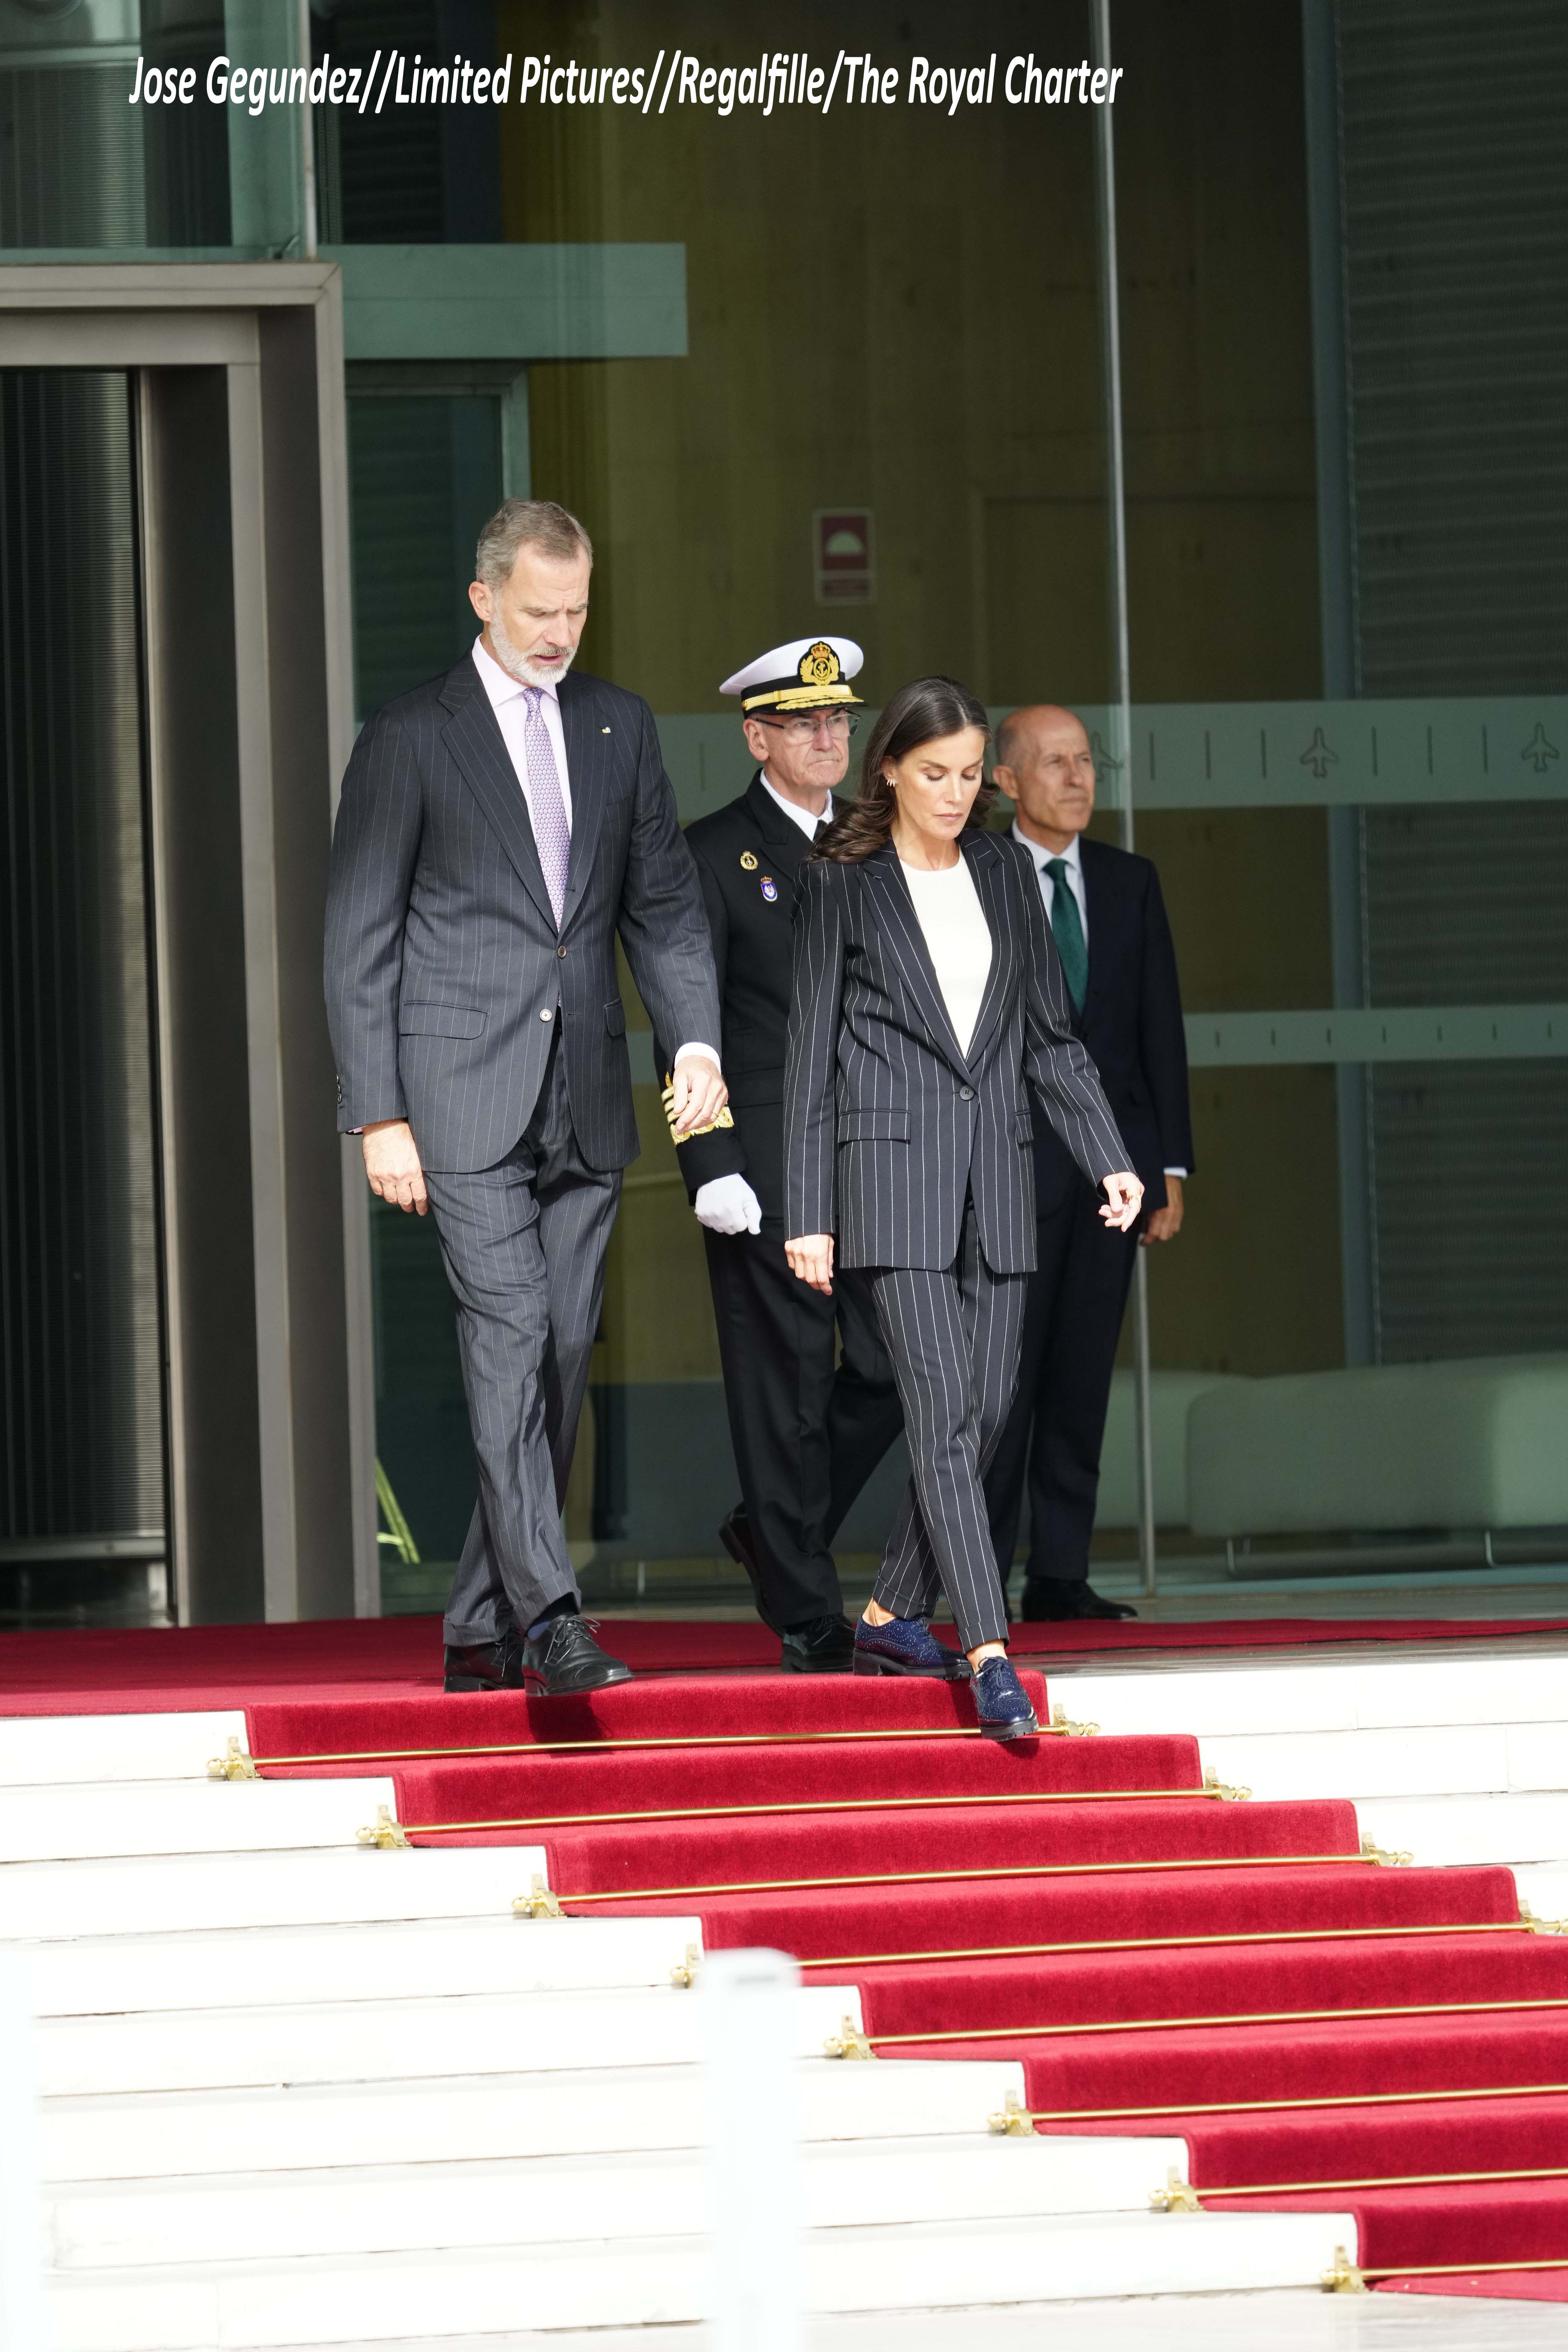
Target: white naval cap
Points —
{"points": [[801, 676]]}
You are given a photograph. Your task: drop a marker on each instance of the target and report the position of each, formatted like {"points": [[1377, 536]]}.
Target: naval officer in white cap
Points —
{"points": [[809, 1388]]}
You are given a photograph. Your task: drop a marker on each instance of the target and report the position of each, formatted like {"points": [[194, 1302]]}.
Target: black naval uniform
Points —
{"points": [[806, 1434]]}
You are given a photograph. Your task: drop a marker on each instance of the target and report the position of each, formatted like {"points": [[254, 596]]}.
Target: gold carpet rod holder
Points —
{"points": [[1520, 1927], [847, 2042], [811, 1805], [940, 1877], [1013, 2120], [1527, 1919], [1238, 2017], [236, 1765], [384, 1835], [1351, 2278], [1179, 2196]]}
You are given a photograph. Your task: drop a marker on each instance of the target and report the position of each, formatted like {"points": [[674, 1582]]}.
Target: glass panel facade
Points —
{"points": [[745, 347]]}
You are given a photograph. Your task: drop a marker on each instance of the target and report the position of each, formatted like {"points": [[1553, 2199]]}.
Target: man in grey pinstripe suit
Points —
{"points": [[499, 827]]}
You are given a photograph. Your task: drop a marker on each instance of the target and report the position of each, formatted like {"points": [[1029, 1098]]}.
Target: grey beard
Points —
{"points": [[517, 663]]}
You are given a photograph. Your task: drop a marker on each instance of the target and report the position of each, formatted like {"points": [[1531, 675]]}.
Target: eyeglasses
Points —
{"points": [[839, 724]]}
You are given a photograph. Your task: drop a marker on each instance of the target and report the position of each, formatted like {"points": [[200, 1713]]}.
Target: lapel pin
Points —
{"points": [[748, 861], [770, 889]]}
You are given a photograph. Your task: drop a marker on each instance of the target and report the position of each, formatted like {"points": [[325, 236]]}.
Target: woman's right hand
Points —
{"points": [[810, 1258]]}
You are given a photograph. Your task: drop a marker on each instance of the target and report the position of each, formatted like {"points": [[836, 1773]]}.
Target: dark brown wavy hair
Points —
{"points": [[920, 712]]}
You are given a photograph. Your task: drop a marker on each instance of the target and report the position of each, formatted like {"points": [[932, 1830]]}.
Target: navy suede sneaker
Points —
{"points": [[905, 1645], [1001, 1703]]}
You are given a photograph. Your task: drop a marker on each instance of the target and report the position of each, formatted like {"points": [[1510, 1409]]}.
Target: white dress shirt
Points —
{"points": [[957, 937], [793, 810], [1074, 864], [507, 699], [1073, 861]]}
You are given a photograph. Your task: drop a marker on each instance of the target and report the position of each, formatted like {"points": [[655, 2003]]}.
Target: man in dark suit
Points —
{"points": [[807, 1431], [498, 828], [1108, 919]]}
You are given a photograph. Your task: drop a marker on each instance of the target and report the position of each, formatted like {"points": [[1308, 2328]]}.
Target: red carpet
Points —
{"points": [[1324, 2031], [116, 1673]]}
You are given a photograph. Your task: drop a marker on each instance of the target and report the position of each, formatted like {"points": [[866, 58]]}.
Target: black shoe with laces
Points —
{"points": [[1053, 1600], [825, 1645], [566, 1658], [485, 1666]]}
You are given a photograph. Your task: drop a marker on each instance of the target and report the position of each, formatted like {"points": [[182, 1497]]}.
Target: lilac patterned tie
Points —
{"points": [[546, 808]]}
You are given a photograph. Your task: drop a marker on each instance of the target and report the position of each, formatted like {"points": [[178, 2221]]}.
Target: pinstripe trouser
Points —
{"points": [[524, 1246], [954, 1337]]}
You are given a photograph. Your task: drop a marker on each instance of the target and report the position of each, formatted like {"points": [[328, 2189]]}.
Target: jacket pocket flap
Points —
{"points": [[616, 1018], [873, 1127], [438, 1021], [1025, 1128]]}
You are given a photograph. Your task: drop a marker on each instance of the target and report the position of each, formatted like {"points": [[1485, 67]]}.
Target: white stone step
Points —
{"points": [[1545, 1891], [369, 2042], [1482, 1760], [1440, 1830], [480, 2118], [560, 2200], [1327, 1695], [178, 1893], [51, 1751], [103, 1820], [331, 2300], [280, 1967]]}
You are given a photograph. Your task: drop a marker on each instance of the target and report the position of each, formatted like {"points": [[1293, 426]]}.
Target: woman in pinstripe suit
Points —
{"points": [[928, 1001]]}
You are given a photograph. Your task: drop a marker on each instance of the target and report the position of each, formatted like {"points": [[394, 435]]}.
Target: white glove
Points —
{"points": [[727, 1204]]}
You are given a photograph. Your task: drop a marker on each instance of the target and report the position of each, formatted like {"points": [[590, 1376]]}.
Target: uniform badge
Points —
{"points": [[748, 861], [770, 889]]}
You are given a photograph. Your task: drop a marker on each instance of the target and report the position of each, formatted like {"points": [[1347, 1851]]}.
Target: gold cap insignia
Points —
{"points": [[748, 861], [819, 666]]}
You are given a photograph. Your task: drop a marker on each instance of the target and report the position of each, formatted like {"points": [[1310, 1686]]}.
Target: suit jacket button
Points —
{"points": [[966, 1094], [560, 951], [544, 1012]]}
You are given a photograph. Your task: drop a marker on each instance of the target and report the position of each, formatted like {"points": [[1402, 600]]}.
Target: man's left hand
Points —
{"points": [[698, 1093], [1123, 1199], [1166, 1223]]}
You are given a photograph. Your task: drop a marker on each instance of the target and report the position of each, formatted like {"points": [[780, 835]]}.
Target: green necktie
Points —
{"points": [[1066, 930]]}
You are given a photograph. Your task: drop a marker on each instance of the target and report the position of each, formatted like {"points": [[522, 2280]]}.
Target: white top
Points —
{"points": [[1074, 864], [506, 697], [957, 937], [793, 810]]}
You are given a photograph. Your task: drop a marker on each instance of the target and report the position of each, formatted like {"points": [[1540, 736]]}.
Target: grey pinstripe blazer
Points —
{"points": [[886, 1123], [442, 951]]}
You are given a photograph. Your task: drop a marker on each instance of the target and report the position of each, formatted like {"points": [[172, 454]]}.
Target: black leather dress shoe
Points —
{"points": [[1052, 1599], [485, 1666], [738, 1539], [567, 1658], [824, 1646]]}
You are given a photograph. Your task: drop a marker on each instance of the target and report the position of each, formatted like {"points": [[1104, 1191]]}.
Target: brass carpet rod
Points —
{"points": [[236, 1765], [812, 1805], [1387, 2181], [523, 1902], [1239, 2017], [1168, 1943], [1457, 2270], [1273, 2106]]}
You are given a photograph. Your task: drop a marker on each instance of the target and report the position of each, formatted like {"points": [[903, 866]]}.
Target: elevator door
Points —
{"points": [[82, 1508]]}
